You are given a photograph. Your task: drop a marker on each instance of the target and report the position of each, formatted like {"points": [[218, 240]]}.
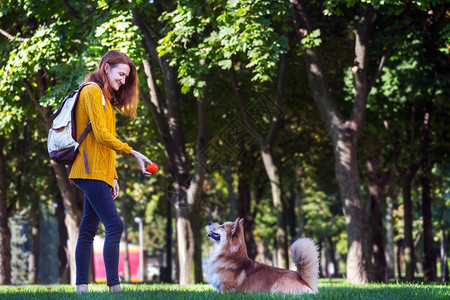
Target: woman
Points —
{"points": [[94, 171]]}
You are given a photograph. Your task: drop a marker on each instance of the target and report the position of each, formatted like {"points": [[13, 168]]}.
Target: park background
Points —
{"points": [[326, 119]]}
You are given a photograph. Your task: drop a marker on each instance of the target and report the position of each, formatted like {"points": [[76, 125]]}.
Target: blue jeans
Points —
{"points": [[98, 206]]}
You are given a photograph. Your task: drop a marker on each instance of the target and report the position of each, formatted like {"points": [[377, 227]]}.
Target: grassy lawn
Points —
{"points": [[335, 289]]}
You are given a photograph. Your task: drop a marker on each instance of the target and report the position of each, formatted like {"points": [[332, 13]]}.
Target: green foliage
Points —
{"points": [[219, 32], [116, 31], [446, 40], [312, 39]]}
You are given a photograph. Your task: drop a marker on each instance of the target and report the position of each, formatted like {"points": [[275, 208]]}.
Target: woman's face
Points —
{"points": [[117, 75]]}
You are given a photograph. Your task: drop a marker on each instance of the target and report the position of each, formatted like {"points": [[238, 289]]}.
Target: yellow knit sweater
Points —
{"points": [[101, 143]]}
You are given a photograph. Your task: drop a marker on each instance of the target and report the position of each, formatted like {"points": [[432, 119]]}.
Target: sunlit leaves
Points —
{"points": [[119, 33], [312, 39], [446, 40], [222, 31]]}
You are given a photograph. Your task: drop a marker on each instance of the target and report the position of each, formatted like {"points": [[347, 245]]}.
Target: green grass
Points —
{"points": [[335, 289]]}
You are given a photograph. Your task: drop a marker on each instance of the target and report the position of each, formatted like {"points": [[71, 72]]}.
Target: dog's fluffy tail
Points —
{"points": [[306, 257]]}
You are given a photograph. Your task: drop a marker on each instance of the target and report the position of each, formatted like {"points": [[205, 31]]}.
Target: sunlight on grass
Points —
{"points": [[334, 289]]}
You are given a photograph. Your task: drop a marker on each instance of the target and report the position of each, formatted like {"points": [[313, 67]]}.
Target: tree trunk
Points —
{"points": [[409, 242], [245, 164], [166, 272], [185, 238], [328, 267], [187, 191], [356, 221], [443, 252], [344, 134], [33, 259], [408, 177], [74, 207], [63, 265], [429, 260], [400, 257], [380, 271], [291, 217], [231, 197], [377, 183], [73, 231], [390, 238], [301, 218], [275, 184], [5, 233]]}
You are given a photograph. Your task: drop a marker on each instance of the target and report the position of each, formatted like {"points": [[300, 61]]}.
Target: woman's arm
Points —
{"points": [[141, 160]]}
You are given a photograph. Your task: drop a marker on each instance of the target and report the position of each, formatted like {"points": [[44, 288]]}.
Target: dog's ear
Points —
{"points": [[241, 222], [235, 226]]}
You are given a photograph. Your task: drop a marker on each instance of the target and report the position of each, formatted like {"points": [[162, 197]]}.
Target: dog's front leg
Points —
{"points": [[227, 287]]}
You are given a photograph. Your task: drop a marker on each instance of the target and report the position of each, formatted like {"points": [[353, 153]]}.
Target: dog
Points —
{"points": [[231, 270]]}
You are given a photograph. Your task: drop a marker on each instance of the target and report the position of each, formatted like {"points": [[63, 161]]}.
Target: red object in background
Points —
{"points": [[152, 168], [133, 256]]}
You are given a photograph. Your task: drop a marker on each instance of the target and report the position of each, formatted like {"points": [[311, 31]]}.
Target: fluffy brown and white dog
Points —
{"points": [[231, 270]]}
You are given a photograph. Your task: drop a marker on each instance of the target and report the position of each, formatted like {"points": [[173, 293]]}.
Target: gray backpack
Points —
{"points": [[62, 143]]}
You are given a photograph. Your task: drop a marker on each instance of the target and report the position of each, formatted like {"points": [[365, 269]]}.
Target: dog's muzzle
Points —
{"points": [[213, 235]]}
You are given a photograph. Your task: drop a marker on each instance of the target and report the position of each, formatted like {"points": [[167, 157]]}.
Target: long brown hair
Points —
{"points": [[126, 98]]}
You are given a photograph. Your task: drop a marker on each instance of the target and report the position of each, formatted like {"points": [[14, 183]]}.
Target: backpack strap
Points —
{"points": [[103, 98], [80, 140]]}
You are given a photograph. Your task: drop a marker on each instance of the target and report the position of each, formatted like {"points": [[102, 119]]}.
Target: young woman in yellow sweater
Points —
{"points": [[94, 172]]}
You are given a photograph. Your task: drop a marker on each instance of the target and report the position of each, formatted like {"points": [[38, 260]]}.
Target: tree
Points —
{"points": [[166, 111], [236, 33], [5, 233], [345, 133]]}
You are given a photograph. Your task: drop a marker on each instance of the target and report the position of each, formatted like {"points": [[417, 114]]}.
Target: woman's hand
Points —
{"points": [[142, 161], [115, 189]]}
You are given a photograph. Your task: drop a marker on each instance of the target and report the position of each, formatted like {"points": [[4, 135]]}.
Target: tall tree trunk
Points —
{"points": [[407, 175], [73, 204], [245, 164], [291, 217], [409, 242], [377, 183], [345, 133], [356, 220], [5, 233], [407, 179], [400, 257], [390, 237], [301, 218], [429, 260], [33, 259], [185, 237], [275, 184], [443, 253], [63, 266], [166, 273], [231, 197], [187, 191]]}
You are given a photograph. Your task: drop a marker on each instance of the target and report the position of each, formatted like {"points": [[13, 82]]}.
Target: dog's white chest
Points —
{"points": [[213, 277]]}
